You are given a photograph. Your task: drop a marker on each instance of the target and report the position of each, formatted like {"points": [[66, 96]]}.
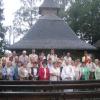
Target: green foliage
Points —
{"points": [[2, 30], [84, 18], [25, 17], [27, 14]]}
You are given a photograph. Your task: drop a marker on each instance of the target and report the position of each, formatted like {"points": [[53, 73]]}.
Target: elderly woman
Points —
{"points": [[92, 67], [0, 69], [4, 69], [55, 72], [22, 72], [10, 71], [85, 72], [97, 71]]}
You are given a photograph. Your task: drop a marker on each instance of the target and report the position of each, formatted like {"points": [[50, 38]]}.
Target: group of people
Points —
{"points": [[50, 67]]}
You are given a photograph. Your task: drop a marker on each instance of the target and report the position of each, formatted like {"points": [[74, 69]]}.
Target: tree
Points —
{"points": [[28, 13], [25, 16], [84, 18], [2, 30]]}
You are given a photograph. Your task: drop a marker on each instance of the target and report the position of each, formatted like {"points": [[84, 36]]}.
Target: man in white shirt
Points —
{"points": [[52, 56], [67, 72], [68, 57], [33, 55], [24, 58]]}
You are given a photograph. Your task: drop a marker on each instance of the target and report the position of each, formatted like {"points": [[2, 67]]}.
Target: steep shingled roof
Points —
{"points": [[50, 31]]}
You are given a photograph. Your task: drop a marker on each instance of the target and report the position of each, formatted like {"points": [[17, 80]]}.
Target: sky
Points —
{"points": [[10, 7]]}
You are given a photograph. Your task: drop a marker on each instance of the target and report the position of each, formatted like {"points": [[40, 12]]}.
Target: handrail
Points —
{"points": [[52, 86], [67, 95], [26, 82]]}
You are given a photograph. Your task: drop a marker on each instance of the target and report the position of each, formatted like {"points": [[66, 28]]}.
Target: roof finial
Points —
{"points": [[49, 5]]}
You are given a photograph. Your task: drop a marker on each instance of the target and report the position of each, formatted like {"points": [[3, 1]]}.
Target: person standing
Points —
{"points": [[23, 72], [33, 56], [4, 69], [16, 66], [33, 73], [86, 57], [52, 56], [49, 63], [67, 72], [10, 71], [68, 57], [97, 71], [92, 67], [85, 73], [24, 58], [55, 72], [44, 73]]}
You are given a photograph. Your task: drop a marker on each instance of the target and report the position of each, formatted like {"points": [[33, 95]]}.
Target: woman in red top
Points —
{"points": [[44, 73]]}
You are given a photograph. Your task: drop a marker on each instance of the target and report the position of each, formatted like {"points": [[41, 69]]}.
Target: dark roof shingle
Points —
{"points": [[51, 32]]}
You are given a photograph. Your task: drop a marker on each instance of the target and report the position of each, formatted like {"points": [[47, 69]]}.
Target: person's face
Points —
{"points": [[4, 61], [83, 65], [14, 53], [34, 64], [73, 63], [96, 61], [67, 63], [55, 65], [16, 59], [24, 53], [44, 65], [19, 64], [49, 61], [59, 64], [9, 64], [52, 51], [33, 51], [68, 54], [90, 60]]}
